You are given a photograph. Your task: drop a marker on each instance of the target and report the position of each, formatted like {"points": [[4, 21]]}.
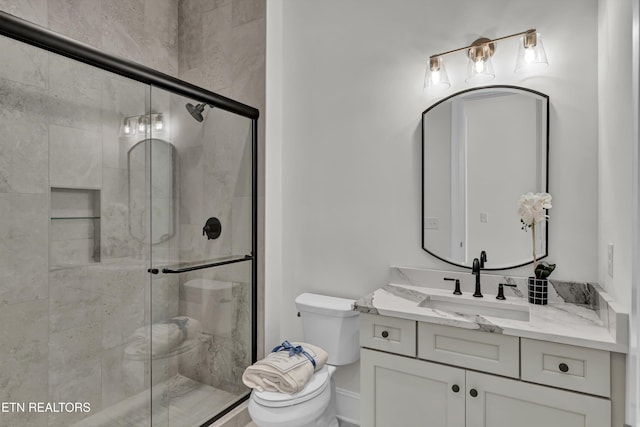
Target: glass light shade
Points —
{"points": [[128, 127], [143, 123], [436, 77], [158, 123], [480, 70], [531, 54]]}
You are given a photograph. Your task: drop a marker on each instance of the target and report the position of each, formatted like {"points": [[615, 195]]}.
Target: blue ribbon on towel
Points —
{"points": [[286, 346]]}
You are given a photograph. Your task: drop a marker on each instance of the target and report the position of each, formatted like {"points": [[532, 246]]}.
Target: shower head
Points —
{"points": [[196, 111]]}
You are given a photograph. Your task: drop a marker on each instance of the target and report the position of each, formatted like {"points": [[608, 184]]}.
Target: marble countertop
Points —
{"points": [[577, 313]]}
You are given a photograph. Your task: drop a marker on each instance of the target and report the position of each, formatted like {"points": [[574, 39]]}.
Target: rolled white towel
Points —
{"points": [[285, 370]]}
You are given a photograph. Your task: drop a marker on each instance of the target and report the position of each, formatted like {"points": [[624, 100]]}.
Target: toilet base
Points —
{"points": [[292, 416]]}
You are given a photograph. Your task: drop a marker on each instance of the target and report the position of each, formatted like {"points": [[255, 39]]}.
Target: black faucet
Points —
{"points": [[483, 258], [476, 271]]}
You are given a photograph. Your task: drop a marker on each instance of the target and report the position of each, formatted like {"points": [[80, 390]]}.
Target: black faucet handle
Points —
{"points": [[501, 290], [483, 258], [457, 290]]}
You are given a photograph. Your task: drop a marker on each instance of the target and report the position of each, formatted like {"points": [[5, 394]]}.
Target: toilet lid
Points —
{"points": [[316, 385]]}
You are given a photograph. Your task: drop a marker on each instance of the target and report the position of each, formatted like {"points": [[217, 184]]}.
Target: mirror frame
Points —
{"points": [[422, 184]]}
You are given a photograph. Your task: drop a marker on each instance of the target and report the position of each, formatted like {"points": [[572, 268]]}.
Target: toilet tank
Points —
{"points": [[331, 324]]}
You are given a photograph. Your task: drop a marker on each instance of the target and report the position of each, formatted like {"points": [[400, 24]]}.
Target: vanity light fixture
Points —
{"points": [[480, 69], [141, 125]]}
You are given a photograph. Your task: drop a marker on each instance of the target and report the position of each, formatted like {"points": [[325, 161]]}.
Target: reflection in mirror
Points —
{"points": [[155, 158], [482, 149]]}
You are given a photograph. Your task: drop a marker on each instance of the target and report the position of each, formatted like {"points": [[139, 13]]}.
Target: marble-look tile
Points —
{"points": [[191, 242], [248, 10], [217, 47], [123, 304], [75, 94], [78, 381], [248, 62], [75, 158], [23, 247], [116, 239], [122, 377], [190, 43], [241, 225], [23, 63], [73, 346], [123, 28], [123, 97], [24, 157], [31, 10], [23, 103], [165, 298], [161, 35], [24, 355], [74, 252], [75, 297], [192, 186], [79, 19]]}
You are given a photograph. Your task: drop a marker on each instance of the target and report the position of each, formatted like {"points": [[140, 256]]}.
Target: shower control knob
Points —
{"points": [[385, 334], [212, 229]]}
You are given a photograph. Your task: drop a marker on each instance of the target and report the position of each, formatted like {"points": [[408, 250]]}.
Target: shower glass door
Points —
{"points": [[105, 181], [200, 246]]}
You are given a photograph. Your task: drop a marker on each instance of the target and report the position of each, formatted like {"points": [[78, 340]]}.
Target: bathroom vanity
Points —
{"points": [[432, 358]]}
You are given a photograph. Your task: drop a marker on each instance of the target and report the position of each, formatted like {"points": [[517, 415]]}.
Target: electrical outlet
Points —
{"points": [[432, 223], [484, 217], [610, 259]]}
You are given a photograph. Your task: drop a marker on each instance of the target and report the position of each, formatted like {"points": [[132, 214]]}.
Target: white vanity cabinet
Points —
{"points": [[445, 376]]}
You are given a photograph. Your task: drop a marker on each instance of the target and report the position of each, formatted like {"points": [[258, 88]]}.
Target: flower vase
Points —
{"points": [[538, 291]]}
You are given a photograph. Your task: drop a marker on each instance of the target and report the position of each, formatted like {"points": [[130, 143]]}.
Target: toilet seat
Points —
{"points": [[316, 385]]}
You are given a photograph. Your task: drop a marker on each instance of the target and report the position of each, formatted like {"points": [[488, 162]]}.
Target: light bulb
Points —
{"points": [[159, 123], [529, 55], [142, 124], [435, 77], [479, 66], [127, 127]]}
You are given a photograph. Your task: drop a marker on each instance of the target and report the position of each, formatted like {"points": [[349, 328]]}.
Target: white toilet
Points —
{"points": [[329, 323]]}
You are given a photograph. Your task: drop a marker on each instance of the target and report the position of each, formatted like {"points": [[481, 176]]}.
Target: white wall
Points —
{"points": [[615, 147], [345, 203], [618, 168]]}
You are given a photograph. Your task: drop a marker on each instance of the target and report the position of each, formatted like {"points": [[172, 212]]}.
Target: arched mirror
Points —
{"points": [[481, 149], [153, 158]]}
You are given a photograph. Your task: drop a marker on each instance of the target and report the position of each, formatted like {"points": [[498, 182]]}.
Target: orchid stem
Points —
{"points": [[533, 240]]}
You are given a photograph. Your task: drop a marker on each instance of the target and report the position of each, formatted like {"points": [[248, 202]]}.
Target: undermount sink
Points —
{"points": [[477, 307]]}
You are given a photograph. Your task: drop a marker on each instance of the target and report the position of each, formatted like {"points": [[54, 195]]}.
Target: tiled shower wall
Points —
{"points": [[222, 48], [78, 317]]}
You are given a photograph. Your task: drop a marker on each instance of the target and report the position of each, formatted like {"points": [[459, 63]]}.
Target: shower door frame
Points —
{"points": [[35, 35]]}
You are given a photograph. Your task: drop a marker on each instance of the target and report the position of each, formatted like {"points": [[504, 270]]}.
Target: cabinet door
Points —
{"points": [[400, 391], [501, 402]]}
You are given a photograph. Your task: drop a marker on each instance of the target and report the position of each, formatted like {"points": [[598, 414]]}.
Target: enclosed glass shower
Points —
{"points": [[127, 240]]}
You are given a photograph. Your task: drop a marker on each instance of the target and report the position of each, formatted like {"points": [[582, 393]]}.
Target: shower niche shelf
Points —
{"points": [[75, 226]]}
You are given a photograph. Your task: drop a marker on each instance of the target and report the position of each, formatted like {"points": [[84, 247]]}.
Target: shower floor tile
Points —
{"points": [[190, 403]]}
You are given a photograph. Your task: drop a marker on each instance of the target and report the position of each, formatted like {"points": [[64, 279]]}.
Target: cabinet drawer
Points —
{"points": [[388, 334], [482, 351], [566, 366]]}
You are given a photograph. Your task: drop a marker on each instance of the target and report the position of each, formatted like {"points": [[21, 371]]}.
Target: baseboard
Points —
{"points": [[348, 406]]}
